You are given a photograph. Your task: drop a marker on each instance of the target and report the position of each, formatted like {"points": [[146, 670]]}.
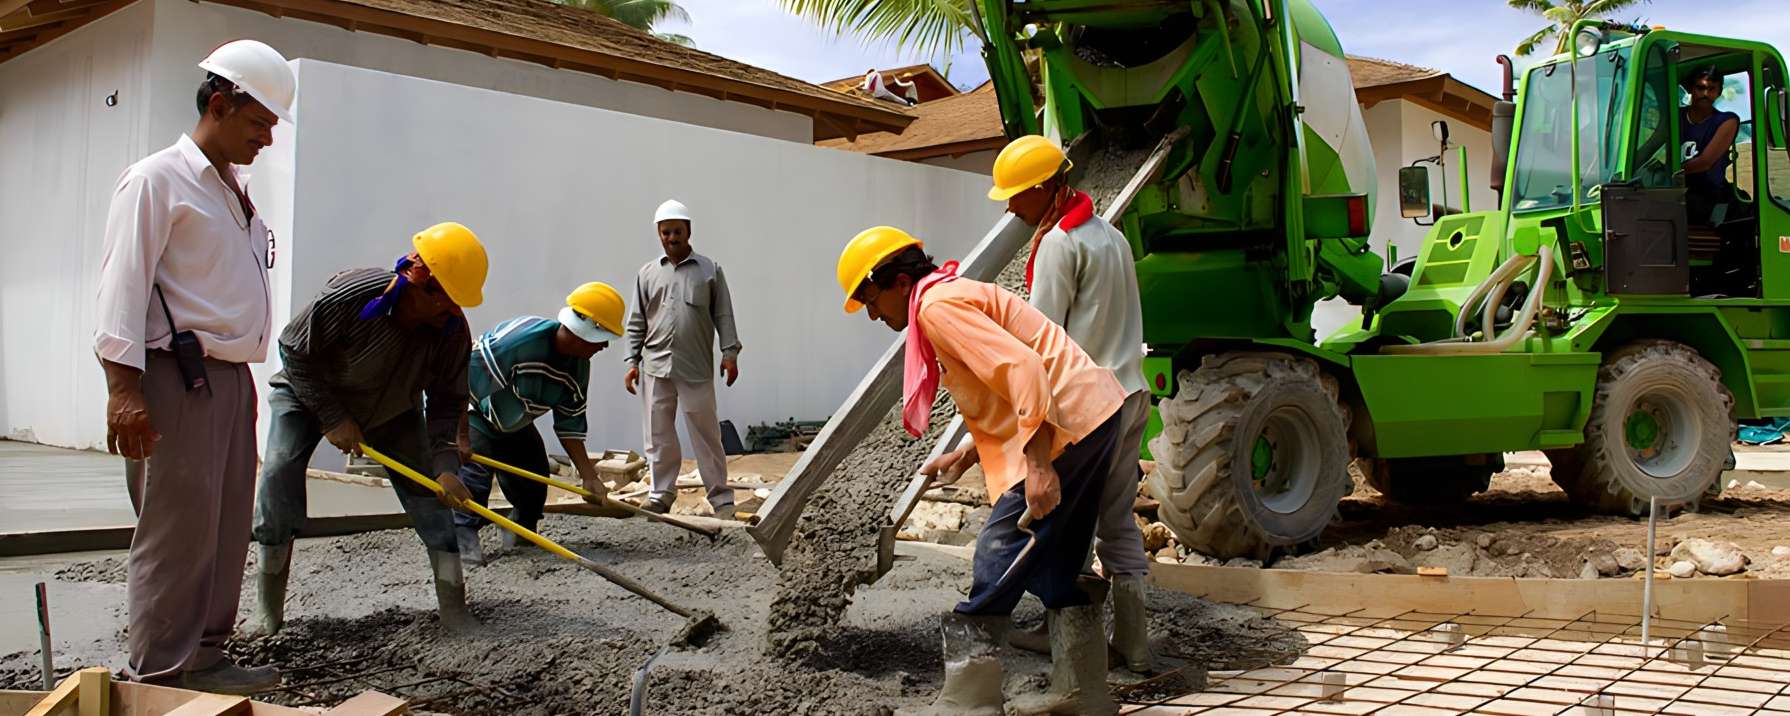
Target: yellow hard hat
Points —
{"points": [[593, 312], [868, 250], [456, 259], [1026, 162]]}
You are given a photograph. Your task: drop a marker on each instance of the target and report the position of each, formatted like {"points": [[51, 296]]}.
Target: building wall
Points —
{"points": [[562, 194], [1400, 133], [185, 31], [974, 162], [63, 151]]}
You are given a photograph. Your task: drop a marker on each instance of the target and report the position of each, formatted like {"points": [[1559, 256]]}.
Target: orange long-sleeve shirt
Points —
{"points": [[1011, 371]]}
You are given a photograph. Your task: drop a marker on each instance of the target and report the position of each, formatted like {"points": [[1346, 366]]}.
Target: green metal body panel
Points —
{"points": [[1425, 406]]}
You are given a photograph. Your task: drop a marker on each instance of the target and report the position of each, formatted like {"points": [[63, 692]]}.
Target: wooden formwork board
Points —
{"points": [[1686, 599], [132, 699]]}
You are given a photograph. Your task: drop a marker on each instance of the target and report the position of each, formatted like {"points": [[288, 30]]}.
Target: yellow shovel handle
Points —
{"points": [[473, 507], [543, 479]]}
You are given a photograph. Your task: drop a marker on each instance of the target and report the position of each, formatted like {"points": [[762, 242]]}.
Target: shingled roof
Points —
{"points": [[530, 30], [972, 121]]}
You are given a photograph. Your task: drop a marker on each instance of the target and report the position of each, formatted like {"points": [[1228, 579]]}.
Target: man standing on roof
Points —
{"points": [[379, 357], [520, 370], [681, 305], [183, 308], [1044, 419], [1082, 277]]}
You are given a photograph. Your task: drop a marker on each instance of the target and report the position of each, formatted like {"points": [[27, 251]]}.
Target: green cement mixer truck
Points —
{"points": [[1592, 315]]}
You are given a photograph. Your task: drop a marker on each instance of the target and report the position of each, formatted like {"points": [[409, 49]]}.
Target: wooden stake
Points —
{"points": [[96, 692]]}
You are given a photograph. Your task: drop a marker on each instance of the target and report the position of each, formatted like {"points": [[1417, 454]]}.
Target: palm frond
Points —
{"points": [[1606, 8], [1535, 6], [1528, 45], [925, 27], [675, 38]]}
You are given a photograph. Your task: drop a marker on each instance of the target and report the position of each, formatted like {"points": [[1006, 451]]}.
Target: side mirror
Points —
{"points": [[1414, 192], [1440, 129]]}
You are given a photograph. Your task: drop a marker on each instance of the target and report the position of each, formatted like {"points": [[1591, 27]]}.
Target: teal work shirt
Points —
{"points": [[516, 376]]}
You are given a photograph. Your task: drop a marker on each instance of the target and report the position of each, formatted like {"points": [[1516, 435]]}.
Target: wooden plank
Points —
{"points": [[867, 405], [212, 705], [370, 703], [65, 695], [96, 691], [1692, 600]]}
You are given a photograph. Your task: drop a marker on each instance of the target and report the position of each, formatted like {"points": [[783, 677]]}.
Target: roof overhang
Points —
{"points": [[27, 24], [1442, 94]]}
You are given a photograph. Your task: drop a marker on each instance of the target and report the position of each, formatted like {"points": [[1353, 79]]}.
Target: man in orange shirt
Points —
{"points": [[1044, 419]]}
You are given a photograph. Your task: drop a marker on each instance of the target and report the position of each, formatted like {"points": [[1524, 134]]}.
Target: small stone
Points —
{"points": [[1484, 541], [1156, 536], [1167, 555], [1682, 569], [1780, 552], [1242, 562], [1733, 484], [1713, 558], [1588, 572], [1425, 543], [1630, 559], [1603, 563], [1753, 485]]}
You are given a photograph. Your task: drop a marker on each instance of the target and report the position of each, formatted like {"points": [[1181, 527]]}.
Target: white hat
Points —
{"points": [[258, 70], [671, 209], [584, 328]]}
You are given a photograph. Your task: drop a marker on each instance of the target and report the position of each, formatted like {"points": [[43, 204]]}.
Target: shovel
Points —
{"points": [[709, 532], [698, 625]]}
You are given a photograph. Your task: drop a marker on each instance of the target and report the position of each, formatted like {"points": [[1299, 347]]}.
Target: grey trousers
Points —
{"points": [[292, 437], [1117, 540], [662, 399], [192, 498]]}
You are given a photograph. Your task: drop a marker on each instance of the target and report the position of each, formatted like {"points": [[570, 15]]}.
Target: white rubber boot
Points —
{"points": [[973, 672]]}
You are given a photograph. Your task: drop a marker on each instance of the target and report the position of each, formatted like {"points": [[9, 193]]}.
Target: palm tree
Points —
{"points": [[926, 27], [1561, 14], [639, 14]]}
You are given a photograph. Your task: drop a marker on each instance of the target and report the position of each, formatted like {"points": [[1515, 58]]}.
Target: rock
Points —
{"points": [[1167, 555], [1602, 564], [1630, 559], [1459, 559], [1425, 543], [1241, 562], [1682, 569], [1589, 571], [1156, 536], [1753, 485], [930, 517], [1780, 552], [1713, 558], [1733, 484], [1484, 541]]}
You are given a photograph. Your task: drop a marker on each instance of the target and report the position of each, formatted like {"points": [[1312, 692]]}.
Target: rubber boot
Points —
{"points": [[450, 591], [973, 673], [512, 541], [271, 574], [472, 554], [1078, 668], [1131, 623], [1035, 639]]}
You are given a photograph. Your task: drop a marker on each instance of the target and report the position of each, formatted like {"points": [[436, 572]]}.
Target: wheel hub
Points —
{"points": [[1284, 461], [1660, 433], [1643, 432]]}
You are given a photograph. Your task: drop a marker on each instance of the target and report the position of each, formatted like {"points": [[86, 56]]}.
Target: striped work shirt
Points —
{"points": [[516, 376], [374, 370]]}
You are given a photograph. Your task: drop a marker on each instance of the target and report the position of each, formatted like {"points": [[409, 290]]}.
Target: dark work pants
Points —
{"points": [[293, 437], [523, 449], [192, 498], [1005, 569]]}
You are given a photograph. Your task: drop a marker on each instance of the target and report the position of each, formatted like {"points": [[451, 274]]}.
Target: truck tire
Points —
{"points": [[1431, 480], [1253, 457], [1661, 425]]}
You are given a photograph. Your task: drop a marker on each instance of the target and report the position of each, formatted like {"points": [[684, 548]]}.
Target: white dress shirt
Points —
{"points": [[174, 223]]}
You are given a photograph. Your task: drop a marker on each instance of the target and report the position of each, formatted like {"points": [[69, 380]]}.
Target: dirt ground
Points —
{"points": [[557, 639]]}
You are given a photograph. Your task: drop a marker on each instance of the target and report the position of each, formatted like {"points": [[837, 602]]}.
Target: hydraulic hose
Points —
{"points": [[1518, 331], [1505, 273]]}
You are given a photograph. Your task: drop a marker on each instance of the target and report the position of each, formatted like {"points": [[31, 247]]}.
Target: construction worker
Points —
{"points": [[1082, 277], [378, 357], [178, 325], [1044, 419], [520, 370], [681, 305]]}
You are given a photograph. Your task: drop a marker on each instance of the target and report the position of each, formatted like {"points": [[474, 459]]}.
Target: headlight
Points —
{"points": [[1588, 41]]}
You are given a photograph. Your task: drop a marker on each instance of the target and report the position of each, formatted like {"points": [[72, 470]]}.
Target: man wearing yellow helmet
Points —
{"points": [[1044, 419], [378, 357], [521, 370], [1083, 278]]}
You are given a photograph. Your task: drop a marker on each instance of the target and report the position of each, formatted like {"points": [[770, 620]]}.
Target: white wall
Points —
{"points": [[63, 150], [185, 31], [562, 194], [974, 162], [1400, 133]]}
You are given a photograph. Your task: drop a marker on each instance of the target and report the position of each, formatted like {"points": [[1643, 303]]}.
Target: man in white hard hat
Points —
{"points": [[681, 305], [184, 307]]}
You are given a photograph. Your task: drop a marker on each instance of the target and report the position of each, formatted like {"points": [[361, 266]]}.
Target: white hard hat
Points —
{"points": [[257, 69], [671, 209]]}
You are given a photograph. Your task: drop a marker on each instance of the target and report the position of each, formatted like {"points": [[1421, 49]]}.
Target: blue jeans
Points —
{"points": [[1004, 570], [528, 498], [292, 437]]}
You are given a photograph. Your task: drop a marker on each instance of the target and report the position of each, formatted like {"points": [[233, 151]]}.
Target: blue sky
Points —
{"points": [[1457, 36]]}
